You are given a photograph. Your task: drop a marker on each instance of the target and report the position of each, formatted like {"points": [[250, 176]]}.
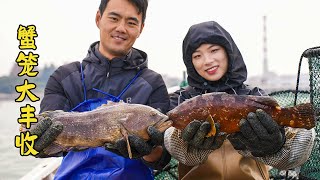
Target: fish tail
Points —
{"points": [[299, 116]]}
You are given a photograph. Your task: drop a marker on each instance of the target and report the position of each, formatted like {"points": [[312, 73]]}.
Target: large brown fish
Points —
{"points": [[107, 123], [228, 110]]}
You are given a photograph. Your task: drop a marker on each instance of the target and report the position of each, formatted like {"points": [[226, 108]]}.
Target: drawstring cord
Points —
{"points": [[226, 83], [179, 97], [204, 88], [83, 83]]}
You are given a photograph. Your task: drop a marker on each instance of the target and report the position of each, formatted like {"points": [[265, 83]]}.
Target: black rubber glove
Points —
{"points": [[195, 135], [47, 133], [259, 134], [139, 147]]}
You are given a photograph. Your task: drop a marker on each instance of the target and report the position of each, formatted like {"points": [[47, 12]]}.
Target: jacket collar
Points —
{"points": [[135, 59]]}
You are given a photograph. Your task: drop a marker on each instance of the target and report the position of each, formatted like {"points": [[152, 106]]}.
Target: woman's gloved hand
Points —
{"points": [[139, 147], [195, 135], [259, 134]]}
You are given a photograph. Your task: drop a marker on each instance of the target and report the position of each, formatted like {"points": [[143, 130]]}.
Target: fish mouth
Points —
{"points": [[163, 124], [165, 118], [162, 120]]}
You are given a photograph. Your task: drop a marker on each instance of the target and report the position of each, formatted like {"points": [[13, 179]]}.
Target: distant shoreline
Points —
{"points": [[13, 96], [8, 97]]}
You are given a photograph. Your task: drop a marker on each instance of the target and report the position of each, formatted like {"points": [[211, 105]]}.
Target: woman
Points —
{"points": [[215, 64]]}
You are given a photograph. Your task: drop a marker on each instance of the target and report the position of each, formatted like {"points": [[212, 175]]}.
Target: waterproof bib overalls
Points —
{"points": [[98, 163]]}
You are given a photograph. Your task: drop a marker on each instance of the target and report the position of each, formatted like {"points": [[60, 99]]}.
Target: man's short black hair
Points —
{"points": [[141, 5]]}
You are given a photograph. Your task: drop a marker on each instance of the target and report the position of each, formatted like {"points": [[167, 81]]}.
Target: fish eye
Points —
{"points": [[153, 113]]}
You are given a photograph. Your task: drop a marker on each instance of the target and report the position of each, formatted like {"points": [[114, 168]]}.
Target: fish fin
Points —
{"points": [[110, 103], [80, 148], [215, 93], [125, 135], [53, 149], [265, 100], [213, 127], [121, 101]]}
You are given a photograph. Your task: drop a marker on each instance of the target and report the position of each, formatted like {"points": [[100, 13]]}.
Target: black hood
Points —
{"points": [[135, 59], [212, 33]]}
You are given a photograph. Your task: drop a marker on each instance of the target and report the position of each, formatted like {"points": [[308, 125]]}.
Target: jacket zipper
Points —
{"points": [[108, 73], [106, 83]]}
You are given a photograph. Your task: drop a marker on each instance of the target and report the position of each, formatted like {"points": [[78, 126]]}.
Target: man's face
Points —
{"points": [[210, 61], [120, 26]]}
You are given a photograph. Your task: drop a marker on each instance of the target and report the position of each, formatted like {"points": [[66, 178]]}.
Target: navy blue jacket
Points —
{"points": [[64, 88]]}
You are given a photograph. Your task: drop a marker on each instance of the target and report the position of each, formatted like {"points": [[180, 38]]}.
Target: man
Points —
{"points": [[112, 71]]}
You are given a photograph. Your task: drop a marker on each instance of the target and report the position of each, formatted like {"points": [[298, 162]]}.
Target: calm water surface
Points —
{"points": [[12, 165]]}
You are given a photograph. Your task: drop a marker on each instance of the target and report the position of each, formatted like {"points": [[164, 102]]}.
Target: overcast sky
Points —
{"points": [[67, 28]]}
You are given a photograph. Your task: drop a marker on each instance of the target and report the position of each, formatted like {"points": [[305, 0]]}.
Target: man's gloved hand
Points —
{"points": [[259, 134], [195, 135], [139, 147], [47, 133]]}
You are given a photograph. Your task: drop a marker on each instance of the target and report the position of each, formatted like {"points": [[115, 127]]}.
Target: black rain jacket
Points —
{"points": [[232, 82]]}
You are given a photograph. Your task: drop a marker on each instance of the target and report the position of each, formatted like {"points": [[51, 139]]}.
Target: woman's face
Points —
{"points": [[210, 61]]}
